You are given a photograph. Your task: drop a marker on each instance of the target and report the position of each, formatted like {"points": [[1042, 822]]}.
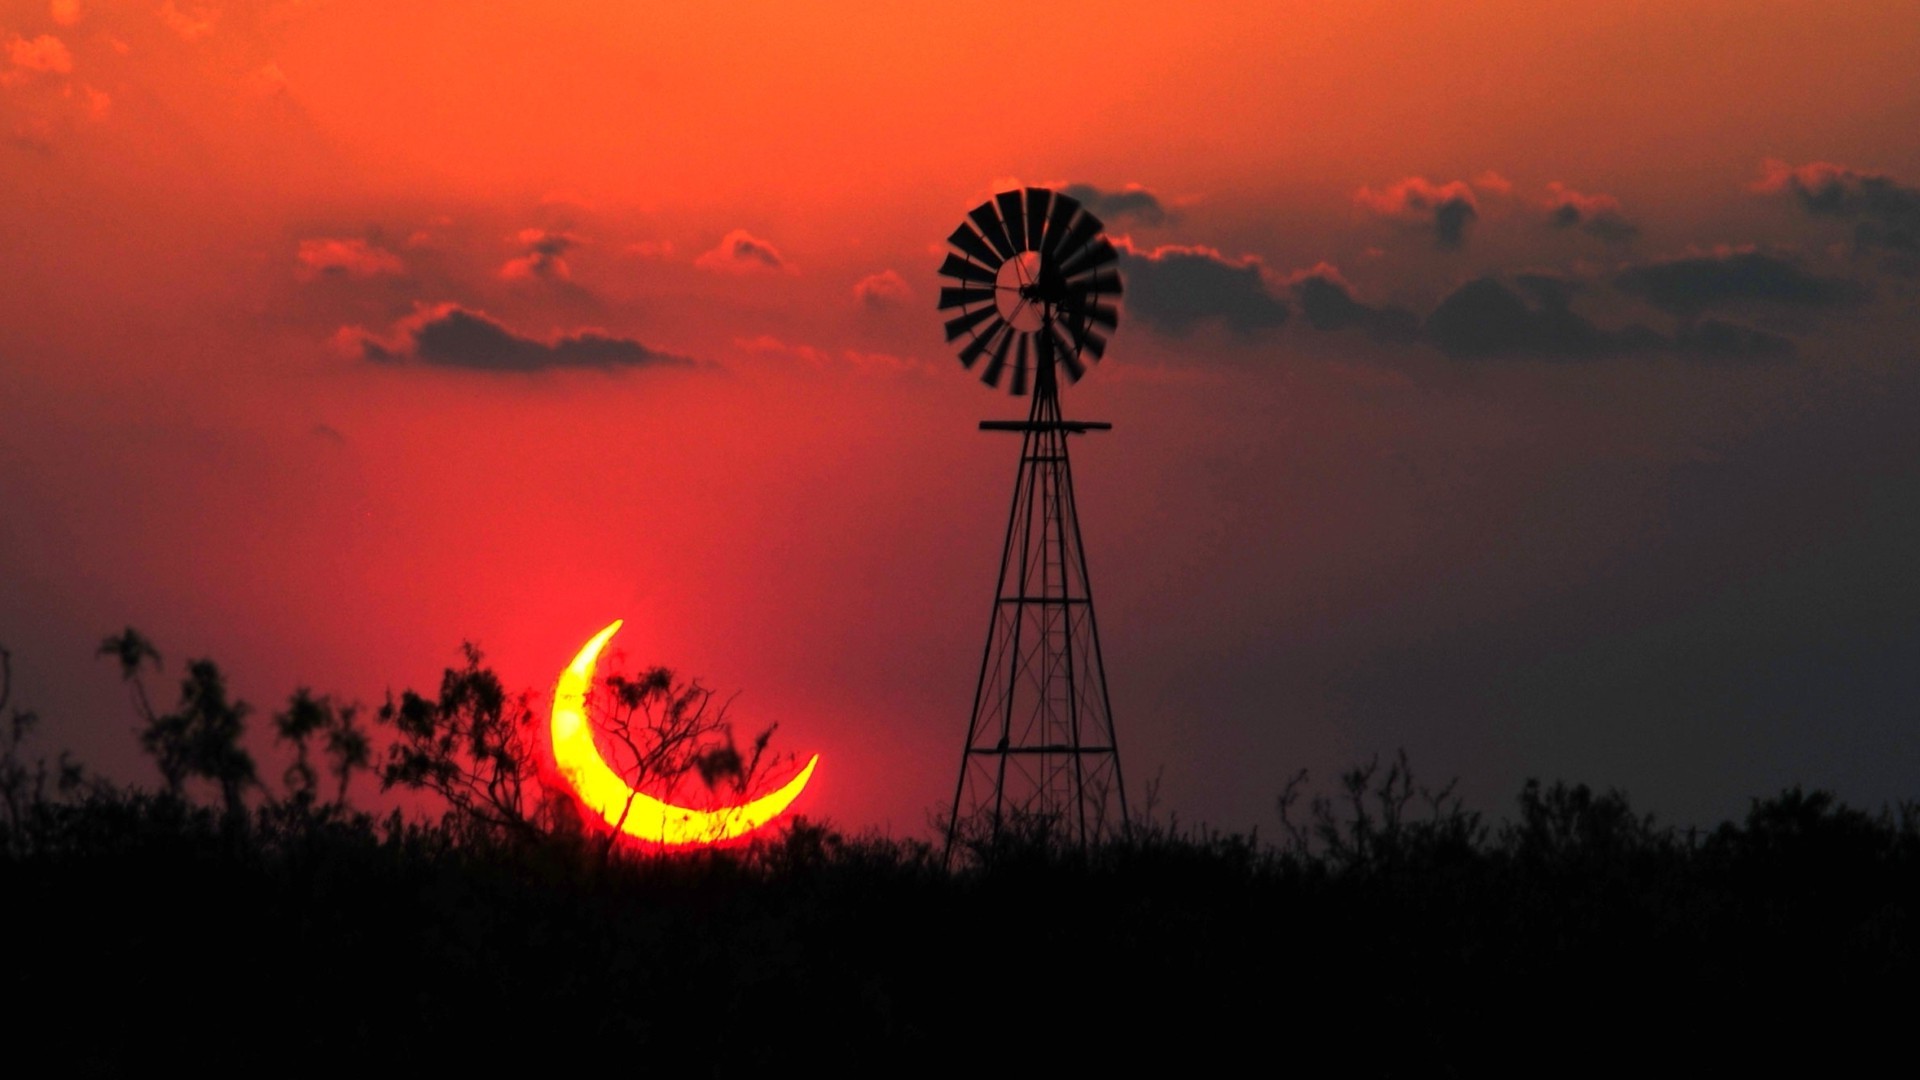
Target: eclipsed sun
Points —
{"points": [[636, 813]]}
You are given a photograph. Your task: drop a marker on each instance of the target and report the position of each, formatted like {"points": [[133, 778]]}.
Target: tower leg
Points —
{"points": [[1040, 761]]}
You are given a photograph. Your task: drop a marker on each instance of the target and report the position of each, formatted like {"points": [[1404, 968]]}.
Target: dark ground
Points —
{"points": [[1575, 939]]}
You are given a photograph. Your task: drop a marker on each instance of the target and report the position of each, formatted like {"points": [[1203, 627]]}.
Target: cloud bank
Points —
{"points": [[1133, 203], [448, 335], [1176, 289]]}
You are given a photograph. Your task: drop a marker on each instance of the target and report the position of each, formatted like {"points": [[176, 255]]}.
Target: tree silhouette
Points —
{"points": [[663, 729], [201, 737], [474, 747], [23, 787], [345, 744], [485, 753], [134, 652]]}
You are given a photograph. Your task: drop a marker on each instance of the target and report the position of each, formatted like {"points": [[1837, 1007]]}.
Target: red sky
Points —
{"points": [[1530, 387]]}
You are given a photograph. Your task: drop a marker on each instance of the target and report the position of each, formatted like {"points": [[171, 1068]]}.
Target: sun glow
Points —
{"points": [[602, 791]]}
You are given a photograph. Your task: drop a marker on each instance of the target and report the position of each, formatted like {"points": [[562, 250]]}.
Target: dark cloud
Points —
{"points": [[740, 252], [452, 336], [1132, 202], [1534, 316], [1718, 338], [344, 257], [1486, 317], [1328, 303], [543, 257], [1448, 209], [1690, 285], [1176, 289], [1595, 215], [882, 291], [35, 135], [1885, 212]]}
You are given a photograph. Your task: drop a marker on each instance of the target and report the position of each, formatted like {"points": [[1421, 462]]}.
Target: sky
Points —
{"points": [[1528, 387]]}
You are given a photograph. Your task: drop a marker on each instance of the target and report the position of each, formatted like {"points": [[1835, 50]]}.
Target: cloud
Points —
{"points": [[1534, 317], [1689, 285], [328, 257], [266, 81], [98, 103], [881, 291], [45, 54], [1448, 209], [543, 258], [1176, 289], [35, 134], [64, 12], [1719, 338], [741, 252], [1595, 215], [192, 23], [1886, 212], [1326, 299], [873, 363], [448, 335], [767, 343], [1493, 183], [1132, 202], [1487, 317]]}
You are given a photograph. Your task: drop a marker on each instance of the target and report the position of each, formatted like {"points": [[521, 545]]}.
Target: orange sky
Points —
{"points": [[1311, 544]]}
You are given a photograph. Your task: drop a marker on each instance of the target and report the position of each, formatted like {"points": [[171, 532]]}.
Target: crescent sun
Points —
{"points": [[635, 813]]}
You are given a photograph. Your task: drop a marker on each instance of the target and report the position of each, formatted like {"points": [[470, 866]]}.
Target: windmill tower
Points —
{"points": [[1034, 281]]}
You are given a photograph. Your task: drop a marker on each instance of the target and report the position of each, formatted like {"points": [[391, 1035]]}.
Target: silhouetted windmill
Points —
{"points": [[1035, 282]]}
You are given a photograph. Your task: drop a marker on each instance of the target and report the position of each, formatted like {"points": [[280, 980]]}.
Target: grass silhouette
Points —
{"points": [[1389, 931]]}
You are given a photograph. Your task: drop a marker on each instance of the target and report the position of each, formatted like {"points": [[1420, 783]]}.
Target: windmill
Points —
{"points": [[1034, 281]]}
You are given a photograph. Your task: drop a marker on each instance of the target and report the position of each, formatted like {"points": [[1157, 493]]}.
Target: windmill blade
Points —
{"points": [[1074, 297], [1064, 207], [966, 270], [998, 363], [952, 298], [1065, 353], [956, 327], [1091, 341], [980, 343], [1084, 228], [1102, 284], [1097, 254], [1085, 310], [1038, 201], [1012, 213], [969, 241], [1085, 305], [990, 227]]}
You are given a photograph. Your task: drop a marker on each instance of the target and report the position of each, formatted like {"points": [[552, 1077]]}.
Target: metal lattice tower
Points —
{"points": [[1040, 757]]}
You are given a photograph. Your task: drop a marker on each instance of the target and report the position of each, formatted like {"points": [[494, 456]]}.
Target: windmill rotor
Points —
{"points": [[1034, 281]]}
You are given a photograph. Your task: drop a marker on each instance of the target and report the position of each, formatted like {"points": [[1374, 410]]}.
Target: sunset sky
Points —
{"points": [[1533, 387]]}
